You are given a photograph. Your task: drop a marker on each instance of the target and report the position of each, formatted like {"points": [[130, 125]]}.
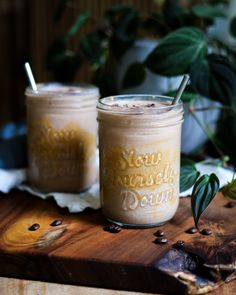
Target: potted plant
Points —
{"points": [[183, 46]]}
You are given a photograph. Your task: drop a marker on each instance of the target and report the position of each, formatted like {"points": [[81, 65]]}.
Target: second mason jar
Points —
{"points": [[139, 143], [62, 131]]}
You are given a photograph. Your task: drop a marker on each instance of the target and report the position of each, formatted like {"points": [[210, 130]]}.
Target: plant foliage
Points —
{"points": [[204, 191], [134, 76], [214, 77], [188, 174], [177, 51]]}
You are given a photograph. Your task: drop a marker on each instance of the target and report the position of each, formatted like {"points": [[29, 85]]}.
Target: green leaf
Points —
{"points": [[79, 22], [207, 11], [232, 26], [203, 193], [214, 77], [91, 47], [177, 51], [134, 75], [188, 174]]}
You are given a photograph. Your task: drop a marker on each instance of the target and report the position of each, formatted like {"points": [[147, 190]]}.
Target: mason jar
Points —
{"points": [[139, 151], [62, 131]]}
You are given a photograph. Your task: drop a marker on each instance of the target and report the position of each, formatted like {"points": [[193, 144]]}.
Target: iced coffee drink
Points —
{"points": [[139, 143], [62, 132]]}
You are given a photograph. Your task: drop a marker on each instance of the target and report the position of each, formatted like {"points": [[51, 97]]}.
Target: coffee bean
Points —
{"points": [[112, 228], [56, 222], [192, 230], [206, 232], [229, 205], [161, 240], [179, 244], [159, 233], [34, 227]]}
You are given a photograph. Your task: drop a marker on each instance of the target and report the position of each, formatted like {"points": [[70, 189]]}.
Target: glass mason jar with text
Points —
{"points": [[139, 147], [62, 132]]}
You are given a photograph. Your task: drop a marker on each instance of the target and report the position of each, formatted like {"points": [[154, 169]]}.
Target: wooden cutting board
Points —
{"points": [[80, 252]]}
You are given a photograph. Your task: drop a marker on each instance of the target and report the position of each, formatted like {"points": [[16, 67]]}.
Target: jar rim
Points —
{"points": [[109, 104], [75, 89]]}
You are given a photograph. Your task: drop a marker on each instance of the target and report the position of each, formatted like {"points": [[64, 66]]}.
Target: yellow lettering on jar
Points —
{"points": [[53, 145], [131, 200], [130, 159]]}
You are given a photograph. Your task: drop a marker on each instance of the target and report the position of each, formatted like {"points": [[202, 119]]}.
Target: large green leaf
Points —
{"points": [[79, 22], [134, 75], [188, 175], [207, 11], [232, 27], [214, 77], [203, 193], [177, 51]]}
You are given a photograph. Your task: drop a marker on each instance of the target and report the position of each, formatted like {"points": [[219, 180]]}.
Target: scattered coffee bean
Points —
{"points": [[179, 244], [159, 233], [206, 232], [112, 228], [34, 227], [192, 230], [56, 222], [229, 205], [161, 240]]}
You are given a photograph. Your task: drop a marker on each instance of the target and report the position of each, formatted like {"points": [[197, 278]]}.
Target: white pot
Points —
{"points": [[192, 134], [221, 27], [153, 84]]}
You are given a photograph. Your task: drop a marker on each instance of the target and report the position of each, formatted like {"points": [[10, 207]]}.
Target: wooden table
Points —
{"points": [[24, 287], [80, 252]]}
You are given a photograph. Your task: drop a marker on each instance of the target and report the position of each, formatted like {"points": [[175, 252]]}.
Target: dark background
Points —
{"points": [[26, 31]]}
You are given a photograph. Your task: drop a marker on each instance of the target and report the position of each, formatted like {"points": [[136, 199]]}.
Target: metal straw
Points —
{"points": [[181, 89], [30, 77]]}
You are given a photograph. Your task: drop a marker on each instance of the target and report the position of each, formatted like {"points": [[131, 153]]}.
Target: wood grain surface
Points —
{"points": [[80, 252], [25, 287], [10, 286]]}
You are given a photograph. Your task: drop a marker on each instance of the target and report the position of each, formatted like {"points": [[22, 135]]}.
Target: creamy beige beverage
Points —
{"points": [[62, 132], [139, 142]]}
